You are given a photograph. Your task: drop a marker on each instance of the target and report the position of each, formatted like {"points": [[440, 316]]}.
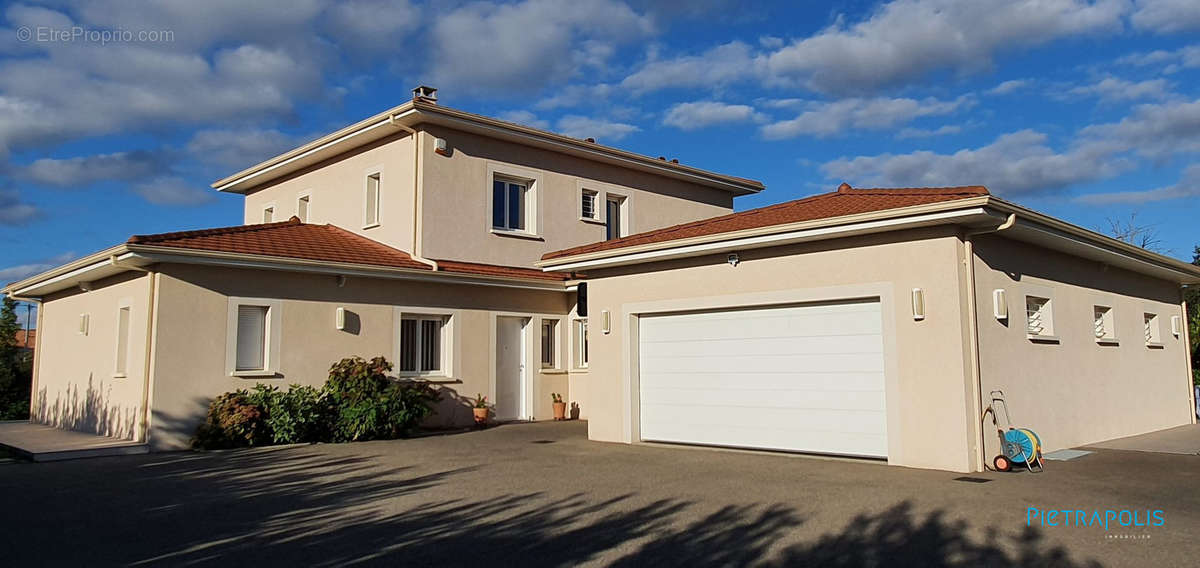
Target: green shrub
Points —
{"points": [[358, 402], [233, 421], [367, 405]]}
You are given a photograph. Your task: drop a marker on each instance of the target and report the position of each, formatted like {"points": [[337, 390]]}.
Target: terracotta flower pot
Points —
{"points": [[560, 411], [481, 415]]}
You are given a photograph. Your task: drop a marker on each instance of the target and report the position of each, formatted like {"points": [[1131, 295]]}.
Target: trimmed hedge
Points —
{"points": [[358, 402]]}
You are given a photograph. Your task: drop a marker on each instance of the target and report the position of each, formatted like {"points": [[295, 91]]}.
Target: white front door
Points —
{"points": [[510, 368], [806, 378]]}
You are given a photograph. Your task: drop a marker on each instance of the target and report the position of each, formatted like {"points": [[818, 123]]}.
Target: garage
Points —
{"points": [[802, 378]]}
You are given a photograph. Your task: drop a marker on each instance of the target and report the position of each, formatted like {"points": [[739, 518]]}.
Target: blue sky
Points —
{"points": [[1087, 110]]}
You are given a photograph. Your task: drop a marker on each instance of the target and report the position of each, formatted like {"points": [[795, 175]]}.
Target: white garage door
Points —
{"points": [[801, 378]]}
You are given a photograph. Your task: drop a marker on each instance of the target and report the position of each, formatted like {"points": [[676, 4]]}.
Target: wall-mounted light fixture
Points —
{"points": [[341, 280], [733, 259], [605, 324], [339, 319], [440, 146], [918, 304], [85, 286], [1000, 304]]}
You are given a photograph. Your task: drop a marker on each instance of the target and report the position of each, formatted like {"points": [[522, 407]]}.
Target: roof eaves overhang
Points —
{"points": [[96, 266], [412, 114], [969, 212], [158, 254]]}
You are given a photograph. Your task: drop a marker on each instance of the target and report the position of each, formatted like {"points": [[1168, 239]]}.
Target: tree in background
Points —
{"points": [[16, 368]]}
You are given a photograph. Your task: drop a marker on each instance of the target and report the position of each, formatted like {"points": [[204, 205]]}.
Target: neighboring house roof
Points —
{"points": [[845, 201], [851, 212], [414, 113], [26, 339], [326, 243]]}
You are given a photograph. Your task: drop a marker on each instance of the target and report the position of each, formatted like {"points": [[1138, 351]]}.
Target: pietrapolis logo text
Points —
{"points": [[1095, 518]]}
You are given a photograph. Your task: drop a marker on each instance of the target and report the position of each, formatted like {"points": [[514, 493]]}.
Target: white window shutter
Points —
{"points": [[251, 337]]}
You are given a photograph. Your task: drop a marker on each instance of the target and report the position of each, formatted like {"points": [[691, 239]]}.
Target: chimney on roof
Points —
{"points": [[425, 94], [674, 160], [844, 187], [590, 139]]}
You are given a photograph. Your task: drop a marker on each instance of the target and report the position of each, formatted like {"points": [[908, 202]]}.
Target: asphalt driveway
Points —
{"points": [[541, 494]]}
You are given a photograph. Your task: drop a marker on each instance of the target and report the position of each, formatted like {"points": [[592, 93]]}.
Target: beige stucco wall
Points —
{"points": [[76, 387], [929, 414], [191, 341], [456, 200], [337, 190], [1076, 391]]}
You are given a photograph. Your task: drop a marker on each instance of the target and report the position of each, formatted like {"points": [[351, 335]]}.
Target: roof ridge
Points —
{"points": [[234, 229]]}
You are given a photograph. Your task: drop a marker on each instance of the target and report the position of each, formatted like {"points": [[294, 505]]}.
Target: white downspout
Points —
{"points": [[973, 323], [416, 165]]}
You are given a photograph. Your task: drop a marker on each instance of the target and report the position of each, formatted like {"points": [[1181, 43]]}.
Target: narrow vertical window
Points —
{"points": [[587, 204], [548, 347], [371, 215], [122, 365], [1153, 333], [302, 208], [581, 344], [408, 345], [251, 338], [269, 214], [509, 204], [1102, 324], [614, 222]]}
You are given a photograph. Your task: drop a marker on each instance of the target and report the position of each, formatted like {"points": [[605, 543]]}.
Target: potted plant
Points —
{"points": [[560, 407], [480, 409]]}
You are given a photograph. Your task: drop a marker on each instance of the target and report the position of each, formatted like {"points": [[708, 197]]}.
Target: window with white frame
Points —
{"points": [[510, 197], [422, 344], [122, 359], [1039, 317], [252, 337], [1152, 328], [587, 204], [580, 345], [371, 200], [615, 217], [302, 203], [549, 344], [1102, 324], [268, 214]]}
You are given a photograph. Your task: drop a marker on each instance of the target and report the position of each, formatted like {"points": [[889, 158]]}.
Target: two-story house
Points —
{"points": [[412, 234]]}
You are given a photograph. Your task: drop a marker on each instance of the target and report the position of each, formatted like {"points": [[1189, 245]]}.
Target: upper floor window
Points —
{"points": [[1153, 332], [509, 197], [268, 214], [1102, 325], [615, 217], [587, 204], [1039, 317], [302, 208], [371, 200]]}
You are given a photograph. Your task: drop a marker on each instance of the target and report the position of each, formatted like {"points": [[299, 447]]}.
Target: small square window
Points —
{"points": [[549, 328], [587, 204], [1039, 317], [1152, 328], [422, 344], [1102, 324]]}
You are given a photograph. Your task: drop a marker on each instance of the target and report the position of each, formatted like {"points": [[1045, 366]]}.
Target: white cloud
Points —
{"points": [[520, 48], [702, 114], [1188, 186], [524, 118], [23, 271], [1166, 16], [823, 119], [172, 190], [601, 130], [240, 148], [1113, 89], [905, 40], [928, 133], [372, 25], [1186, 57], [575, 95], [85, 170], [1014, 164], [13, 211], [1009, 86], [1155, 131], [716, 67]]}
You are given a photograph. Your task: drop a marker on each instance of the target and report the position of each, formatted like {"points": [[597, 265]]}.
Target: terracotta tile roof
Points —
{"points": [[845, 201], [323, 243]]}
